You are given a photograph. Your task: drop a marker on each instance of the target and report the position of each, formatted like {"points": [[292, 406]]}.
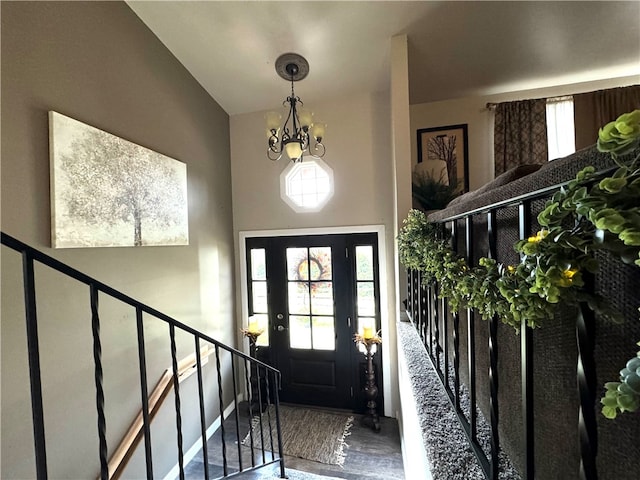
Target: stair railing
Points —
{"points": [[242, 365], [430, 314]]}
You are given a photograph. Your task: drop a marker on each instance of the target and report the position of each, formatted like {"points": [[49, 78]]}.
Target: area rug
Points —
{"points": [[315, 435]]}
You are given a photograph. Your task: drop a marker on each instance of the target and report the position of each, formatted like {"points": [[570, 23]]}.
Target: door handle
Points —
{"points": [[281, 328]]}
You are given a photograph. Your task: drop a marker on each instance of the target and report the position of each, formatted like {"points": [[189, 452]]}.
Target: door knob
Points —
{"points": [[281, 328], [279, 316]]}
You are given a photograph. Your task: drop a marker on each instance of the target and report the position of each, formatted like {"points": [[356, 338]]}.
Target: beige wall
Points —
{"points": [[473, 111], [358, 151], [98, 63]]}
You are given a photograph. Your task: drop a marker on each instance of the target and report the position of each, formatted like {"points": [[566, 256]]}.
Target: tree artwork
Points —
{"points": [[111, 192], [443, 147]]}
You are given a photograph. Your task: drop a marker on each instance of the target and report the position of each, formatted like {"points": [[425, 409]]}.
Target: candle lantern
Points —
{"points": [[367, 343], [252, 332]]}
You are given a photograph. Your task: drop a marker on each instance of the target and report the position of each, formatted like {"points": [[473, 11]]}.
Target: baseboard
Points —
{"points": [[197, 446]]}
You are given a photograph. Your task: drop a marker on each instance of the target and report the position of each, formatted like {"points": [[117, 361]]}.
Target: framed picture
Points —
{"points": [[109, 192], [444, 154]]}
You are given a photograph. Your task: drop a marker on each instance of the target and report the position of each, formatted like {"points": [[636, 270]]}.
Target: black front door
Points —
{"points": [[312, 293]]}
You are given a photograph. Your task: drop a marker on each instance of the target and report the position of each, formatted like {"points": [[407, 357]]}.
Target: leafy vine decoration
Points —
{"points": [[593, 212]]}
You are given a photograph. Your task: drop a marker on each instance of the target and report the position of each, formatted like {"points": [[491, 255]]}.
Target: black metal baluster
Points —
{"points": [[144, 392], [37, 410], [436, 324], [97, 358], [445, 333], [424, 309], [225, 469], [416, 286], [430, 319], [493, 400], [264, 458], [445, 328], [417, 282], [276, 395], [203, 423], [471, 339], [235, 409], [588, 429], [493, 361], [410, 274], [456, 329], [176, 394], [268, 395], [418, 316], [456, 359], [407, 303], [526, 359], [247, 370]]}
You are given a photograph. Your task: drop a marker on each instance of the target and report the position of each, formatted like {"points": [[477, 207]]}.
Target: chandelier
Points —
{"points": [[295, 135]]}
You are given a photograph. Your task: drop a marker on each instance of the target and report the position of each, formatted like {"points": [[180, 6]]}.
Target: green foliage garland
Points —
{"points": [[589, 214]]}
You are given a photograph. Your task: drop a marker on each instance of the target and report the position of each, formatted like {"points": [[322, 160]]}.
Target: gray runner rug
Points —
{"points": [[315, 435]]}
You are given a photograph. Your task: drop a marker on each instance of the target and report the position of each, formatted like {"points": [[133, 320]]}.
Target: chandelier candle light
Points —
{"points": [[294, 136]]}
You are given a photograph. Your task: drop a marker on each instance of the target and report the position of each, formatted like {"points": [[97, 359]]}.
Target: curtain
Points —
{"points": [[592, 110], [520, 134]]}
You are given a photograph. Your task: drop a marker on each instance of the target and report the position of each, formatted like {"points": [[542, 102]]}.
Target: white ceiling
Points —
{"points": [[456, 49]]}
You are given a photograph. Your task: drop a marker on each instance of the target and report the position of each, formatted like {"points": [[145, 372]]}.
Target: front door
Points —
{"points": [[312, 294]]}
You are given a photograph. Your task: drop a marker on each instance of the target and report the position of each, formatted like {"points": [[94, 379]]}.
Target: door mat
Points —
{"points": [[315, 435]]}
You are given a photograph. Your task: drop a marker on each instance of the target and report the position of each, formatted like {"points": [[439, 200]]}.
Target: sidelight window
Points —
{"points": [[259, 300], [365, 288]]}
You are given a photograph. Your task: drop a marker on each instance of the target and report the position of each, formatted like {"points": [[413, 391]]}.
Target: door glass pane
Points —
{"points": [[299, 298], [366, 299], [258, 264], [259, 296], [263, 323], [320, 263], [324, 336], [322, 298], [364, 262], [299, 332], [297, 264]]}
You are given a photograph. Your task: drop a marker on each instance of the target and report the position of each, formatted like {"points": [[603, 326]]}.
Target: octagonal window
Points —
{"points": [[307, 186]]}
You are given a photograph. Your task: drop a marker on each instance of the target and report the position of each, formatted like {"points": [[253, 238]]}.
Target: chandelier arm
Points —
{"points": [[294, 118], [273, 158], [318, 150], [285, 129], [273, 141]]}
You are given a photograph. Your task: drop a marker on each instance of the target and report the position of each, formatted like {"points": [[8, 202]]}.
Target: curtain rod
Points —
{"points": [[562, 98]]}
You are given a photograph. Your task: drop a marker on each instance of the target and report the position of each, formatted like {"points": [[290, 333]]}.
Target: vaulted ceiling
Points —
{"points": [[456, 49]]}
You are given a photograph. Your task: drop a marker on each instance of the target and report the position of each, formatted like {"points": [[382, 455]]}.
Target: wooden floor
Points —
{"points": [[369, 455]]}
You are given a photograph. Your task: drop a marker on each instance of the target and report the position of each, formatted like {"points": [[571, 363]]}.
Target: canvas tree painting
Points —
{"points": [[109, 192]]}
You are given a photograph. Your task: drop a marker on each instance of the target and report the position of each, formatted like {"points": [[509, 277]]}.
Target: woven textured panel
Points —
{"points": [[507, 233], [557, 451], [615, 345]]}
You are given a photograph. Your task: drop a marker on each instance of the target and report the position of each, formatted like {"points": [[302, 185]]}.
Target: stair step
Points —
{"points": [[272, 472]]}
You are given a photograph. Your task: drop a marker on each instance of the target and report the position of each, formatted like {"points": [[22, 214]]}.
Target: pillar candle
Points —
{"points": [[367, 332], [253, 325]]}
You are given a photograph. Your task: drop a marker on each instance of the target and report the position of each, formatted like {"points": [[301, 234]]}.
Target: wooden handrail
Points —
{"points": [[186, 368]]}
